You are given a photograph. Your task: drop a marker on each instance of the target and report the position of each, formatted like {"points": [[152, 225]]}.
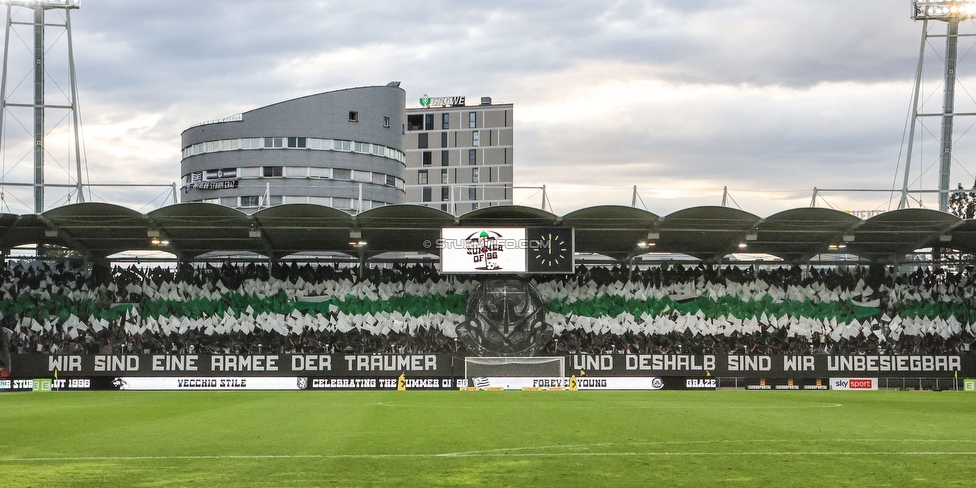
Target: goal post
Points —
{"points": [[478, 370]]}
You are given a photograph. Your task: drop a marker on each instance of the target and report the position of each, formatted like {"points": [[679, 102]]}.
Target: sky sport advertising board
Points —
{"points": [[854, 384], [506, 250]]}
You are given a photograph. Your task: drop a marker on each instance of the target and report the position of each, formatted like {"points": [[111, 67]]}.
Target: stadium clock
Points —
{"points": [[550, 250]]}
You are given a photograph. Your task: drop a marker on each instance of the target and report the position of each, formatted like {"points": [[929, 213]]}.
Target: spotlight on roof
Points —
{"points": [[944, 10]]}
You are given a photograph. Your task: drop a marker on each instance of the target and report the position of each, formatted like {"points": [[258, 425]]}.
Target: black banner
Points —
{"points": [[325, 365], [771, 366], [214, 185], [447, 366]]}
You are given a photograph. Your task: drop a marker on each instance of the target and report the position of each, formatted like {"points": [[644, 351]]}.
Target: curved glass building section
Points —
{"points": [[343, 149]]}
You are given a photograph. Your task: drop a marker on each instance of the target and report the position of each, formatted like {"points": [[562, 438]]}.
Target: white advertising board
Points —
{"points": [[582, 383], [211, 383]]}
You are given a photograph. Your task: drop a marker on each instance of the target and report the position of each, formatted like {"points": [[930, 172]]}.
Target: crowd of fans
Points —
{"points": [[35, 297]]}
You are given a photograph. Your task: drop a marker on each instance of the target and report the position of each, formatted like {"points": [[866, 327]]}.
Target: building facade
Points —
{"points": [[459, 157], [343, 149]]}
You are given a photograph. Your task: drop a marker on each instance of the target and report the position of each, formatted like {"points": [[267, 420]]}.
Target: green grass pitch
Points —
{"points": [[453, 438]]}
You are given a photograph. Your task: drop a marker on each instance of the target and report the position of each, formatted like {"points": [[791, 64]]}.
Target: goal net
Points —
{"points": [[513, 372]]}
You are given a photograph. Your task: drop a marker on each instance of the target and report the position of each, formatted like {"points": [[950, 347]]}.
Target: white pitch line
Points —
{"points": [[715, 441], [154, 458], [498, 454]]}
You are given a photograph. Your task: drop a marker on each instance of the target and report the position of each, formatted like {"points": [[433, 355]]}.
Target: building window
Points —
{"points": [[250, 202], [386, 122], [427, 157], [272, 171], [422, 177], [415, 122], [297, 142], [422, 141], [443, 176], [390, 180], [472, 194], [475, 175], [276, 200], [445, 121], [273, 141], [426, 194], [443, 139], [476, 138], [472, 157], [428, 121], [445, 193], [474, 206], [444, 207], [342, 174], [445, 158], [353, 116], [472, 120]]}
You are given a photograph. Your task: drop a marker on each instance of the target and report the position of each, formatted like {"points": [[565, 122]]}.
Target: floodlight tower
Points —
{"points": [[951, 12], [39, 106]]}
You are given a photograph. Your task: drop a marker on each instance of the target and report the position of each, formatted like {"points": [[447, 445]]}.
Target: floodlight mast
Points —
{"points": [[39, 106], [951, 12]]}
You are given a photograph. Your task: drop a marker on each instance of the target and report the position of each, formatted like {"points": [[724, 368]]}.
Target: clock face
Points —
{"points": [[550, 250]]}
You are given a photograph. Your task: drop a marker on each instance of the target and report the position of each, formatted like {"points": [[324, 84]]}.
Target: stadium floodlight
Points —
{"points": [[42, 3], [944, 10]]}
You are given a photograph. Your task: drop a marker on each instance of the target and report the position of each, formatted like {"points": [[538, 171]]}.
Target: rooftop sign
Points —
{"points": [[426, 101]]}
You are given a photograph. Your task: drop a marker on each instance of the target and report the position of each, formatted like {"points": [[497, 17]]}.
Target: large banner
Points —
{"points": [[419, 366], [199, 365], [771, 366]]}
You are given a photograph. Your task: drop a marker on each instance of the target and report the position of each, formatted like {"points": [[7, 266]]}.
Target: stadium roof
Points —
{"points": [[709, 233]]}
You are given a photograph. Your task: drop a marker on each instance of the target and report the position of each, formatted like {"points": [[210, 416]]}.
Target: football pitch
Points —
{"points": [[454, 438]]}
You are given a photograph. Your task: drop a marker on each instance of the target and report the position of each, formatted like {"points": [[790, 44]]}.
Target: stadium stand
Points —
{"points": [[302, 308]]}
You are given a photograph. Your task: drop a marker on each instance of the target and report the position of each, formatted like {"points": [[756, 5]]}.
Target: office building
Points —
{"points": [[342, 149], [459, 157]]}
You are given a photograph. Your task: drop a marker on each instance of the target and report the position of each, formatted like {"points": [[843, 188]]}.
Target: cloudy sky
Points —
{"points": [[680, 98]]}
